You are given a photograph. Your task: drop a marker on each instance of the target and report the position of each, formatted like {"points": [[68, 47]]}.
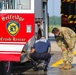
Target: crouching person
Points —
{"points": [[40, 52], [65, 38]]}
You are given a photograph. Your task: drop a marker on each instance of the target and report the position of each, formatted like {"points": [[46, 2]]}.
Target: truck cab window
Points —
{"points": [[16, 4], [1, 5]]}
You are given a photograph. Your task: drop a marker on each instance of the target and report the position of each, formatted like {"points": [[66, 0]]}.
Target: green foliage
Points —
{"points": [[54, 20]]}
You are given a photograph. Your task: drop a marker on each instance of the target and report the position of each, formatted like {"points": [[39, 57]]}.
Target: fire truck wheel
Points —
{"points": [[6, 68]]}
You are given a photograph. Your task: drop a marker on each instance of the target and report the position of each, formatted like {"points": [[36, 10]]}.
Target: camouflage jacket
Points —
{"points": [[67, 37]]}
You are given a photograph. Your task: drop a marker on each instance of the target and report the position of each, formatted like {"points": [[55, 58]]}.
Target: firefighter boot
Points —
{"points": [[64, 65], [69, 66]]}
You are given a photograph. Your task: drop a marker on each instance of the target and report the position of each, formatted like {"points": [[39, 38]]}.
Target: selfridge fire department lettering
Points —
{"points": [[14, 39], [12, 17], [18, 39], [15, 28], [5, 39]]}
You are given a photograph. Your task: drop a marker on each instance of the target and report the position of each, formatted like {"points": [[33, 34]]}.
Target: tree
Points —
{"points": [[54, 20]]}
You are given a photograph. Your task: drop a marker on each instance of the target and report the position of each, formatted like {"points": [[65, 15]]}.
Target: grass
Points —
{"points": [[53, 26]]}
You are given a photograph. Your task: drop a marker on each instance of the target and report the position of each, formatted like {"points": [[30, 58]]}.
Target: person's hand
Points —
{"points": [[68, 50], [63, 49], [32, 51]]}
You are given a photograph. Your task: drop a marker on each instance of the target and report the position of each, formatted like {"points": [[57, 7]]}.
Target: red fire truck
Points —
{"points": [[17, 27], [17, 20]]}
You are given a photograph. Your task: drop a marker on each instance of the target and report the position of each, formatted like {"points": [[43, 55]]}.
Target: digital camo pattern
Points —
{"points": [[67, 56], [66, 40]]}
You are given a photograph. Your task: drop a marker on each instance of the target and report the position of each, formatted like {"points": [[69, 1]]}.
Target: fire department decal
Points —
{"points": [[12, 27]]}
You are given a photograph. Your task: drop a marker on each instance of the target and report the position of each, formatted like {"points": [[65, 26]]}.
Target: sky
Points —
{"points": [[54, 7]]}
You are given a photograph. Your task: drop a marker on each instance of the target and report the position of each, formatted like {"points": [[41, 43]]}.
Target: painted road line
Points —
{"points": [[74, 53], [56, 64]]}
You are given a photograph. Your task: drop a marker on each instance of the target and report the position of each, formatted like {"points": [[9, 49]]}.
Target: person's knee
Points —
{"points": [[49, 55]]}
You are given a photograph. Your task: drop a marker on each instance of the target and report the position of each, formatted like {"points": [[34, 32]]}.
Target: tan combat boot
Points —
{"points": [[64, 65], [69, 66]]}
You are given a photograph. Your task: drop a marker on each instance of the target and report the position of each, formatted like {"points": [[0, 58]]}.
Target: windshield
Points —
{"points": [[16, 4]]}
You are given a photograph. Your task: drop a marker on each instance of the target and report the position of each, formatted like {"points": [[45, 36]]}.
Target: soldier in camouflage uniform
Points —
{"points": [[65, 38]]}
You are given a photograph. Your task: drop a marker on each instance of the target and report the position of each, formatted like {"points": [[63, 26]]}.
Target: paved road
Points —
{"points": [[53, 69]]}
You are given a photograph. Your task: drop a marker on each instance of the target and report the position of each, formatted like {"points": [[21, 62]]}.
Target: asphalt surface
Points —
{"points": [[53, 68]]}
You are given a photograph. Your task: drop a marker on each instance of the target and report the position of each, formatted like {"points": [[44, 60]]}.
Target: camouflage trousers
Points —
{"points": [[67, 55]]}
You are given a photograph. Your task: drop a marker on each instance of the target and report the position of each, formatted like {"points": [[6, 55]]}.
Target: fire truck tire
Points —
{"points": [[6, 68], [0, 68]]}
